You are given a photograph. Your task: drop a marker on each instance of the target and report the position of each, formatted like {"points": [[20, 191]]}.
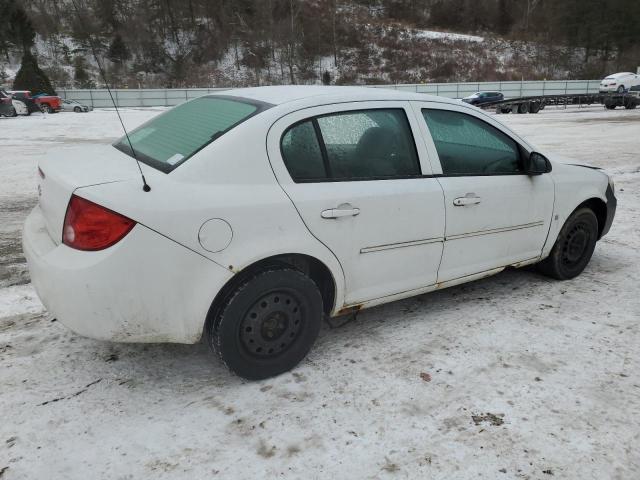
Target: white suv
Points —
{"points": [[272, 207], [619, 82]]}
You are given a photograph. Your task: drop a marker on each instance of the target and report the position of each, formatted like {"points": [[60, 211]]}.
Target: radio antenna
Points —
{"points": [[145, 185]]}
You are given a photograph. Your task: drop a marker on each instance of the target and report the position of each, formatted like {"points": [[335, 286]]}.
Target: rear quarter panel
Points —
{"points": [[231, 179]]}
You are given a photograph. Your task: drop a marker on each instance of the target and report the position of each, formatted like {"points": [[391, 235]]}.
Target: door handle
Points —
{"points": [[468, 199], [341, 211]]}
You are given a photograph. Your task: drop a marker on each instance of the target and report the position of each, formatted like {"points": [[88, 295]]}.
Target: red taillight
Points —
{"points": [[89, 226]]}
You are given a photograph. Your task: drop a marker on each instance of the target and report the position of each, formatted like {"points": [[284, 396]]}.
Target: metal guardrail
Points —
{"points": [[151, 97], [508, 89], [164, 97]]}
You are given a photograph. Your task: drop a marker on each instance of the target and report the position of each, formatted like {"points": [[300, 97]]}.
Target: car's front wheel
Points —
{"points": [[574, 246], [267, 324]]}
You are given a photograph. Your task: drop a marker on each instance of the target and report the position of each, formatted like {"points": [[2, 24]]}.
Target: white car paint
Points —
{"points": [[157, 283], [618, 82], [21, 108]]}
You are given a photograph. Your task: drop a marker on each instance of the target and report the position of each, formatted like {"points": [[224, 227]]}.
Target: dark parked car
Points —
{"points": [[479, 98]]}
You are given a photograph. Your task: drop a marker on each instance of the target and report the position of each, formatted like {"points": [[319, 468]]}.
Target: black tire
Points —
{"points": [[267, 324], [574, 246], [505, 109], [621, 89], [77, 109], [534, 107], [610, 106], [523, 108], [630, 105], [45, 108]]}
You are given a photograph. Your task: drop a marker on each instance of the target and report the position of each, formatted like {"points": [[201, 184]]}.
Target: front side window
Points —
{"points": [[355, 145], [171, 138], [468, 146]]}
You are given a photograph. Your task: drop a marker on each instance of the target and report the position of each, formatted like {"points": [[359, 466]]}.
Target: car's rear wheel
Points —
{"points": [[523, 108], [621, 89], [77, 109], [267, 324], [574, 246], [46, 108], [534, 107]]}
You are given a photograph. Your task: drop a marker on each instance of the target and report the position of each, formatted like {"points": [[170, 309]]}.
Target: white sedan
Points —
{"points": [[619, 82], [74, 106], [270, 208]]}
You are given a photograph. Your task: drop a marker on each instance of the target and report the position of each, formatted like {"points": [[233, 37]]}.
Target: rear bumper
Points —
{"points": [[612, 203], [146, 288]]}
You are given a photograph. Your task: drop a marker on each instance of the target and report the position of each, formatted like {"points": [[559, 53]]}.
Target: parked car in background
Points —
{"points": [[41, 102], [24, 104], [479, 98], [6, 106], [270, 208], [74, 106], [619, 82]]}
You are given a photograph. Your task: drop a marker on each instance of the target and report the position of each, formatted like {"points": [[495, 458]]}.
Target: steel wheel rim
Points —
{"points": [[575, 245], [271, 325]]}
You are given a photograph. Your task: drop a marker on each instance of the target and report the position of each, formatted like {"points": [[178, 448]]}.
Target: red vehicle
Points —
{"points": [[43, 102]]}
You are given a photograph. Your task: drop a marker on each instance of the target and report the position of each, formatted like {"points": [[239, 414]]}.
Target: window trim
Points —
{"points": [[325, 157], [519, 147]]}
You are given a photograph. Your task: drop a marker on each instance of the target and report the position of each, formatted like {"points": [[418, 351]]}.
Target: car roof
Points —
{"points": [[279, 95], [620, 74]]}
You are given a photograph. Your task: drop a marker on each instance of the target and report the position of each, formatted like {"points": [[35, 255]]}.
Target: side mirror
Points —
{"points": [[537, 164]]}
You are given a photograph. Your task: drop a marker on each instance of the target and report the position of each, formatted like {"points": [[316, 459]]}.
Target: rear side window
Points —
{"points": [[302, 154], [468, 146], [356, 145], [171, 138]]}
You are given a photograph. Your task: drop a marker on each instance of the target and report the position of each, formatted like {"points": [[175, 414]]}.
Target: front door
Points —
{"points": [[353, 171], [496, 214]]}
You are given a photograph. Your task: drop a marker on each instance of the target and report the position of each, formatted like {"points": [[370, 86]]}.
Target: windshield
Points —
{"points": [[171, 138]]}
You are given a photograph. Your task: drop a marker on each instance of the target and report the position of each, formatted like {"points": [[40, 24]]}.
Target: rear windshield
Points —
{"points": [[171, 138]]}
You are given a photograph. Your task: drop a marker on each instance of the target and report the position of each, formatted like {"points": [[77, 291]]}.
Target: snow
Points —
{"points": [[19, 299], [449, 36], [515, 373]]}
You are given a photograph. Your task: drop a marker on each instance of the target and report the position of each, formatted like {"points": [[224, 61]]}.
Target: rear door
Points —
{"points": [[354, 172], [496, 214]]}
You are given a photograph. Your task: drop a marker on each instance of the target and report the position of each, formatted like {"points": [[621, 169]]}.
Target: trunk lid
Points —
{"points": [[61, 174]]}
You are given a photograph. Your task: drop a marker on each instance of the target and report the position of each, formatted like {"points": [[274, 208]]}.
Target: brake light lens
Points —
{"points": [[89, 226]]}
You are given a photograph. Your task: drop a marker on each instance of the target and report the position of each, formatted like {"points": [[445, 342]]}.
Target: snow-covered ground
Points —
{"points": [[514, 376], [434, 34]]}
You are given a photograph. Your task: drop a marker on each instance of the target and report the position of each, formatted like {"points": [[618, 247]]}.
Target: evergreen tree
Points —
{"points": [[21, 29], [80, 74], [30, 77], [118, 52]]}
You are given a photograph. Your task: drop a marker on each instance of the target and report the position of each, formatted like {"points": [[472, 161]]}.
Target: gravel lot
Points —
{"points": [[514, 376]]}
